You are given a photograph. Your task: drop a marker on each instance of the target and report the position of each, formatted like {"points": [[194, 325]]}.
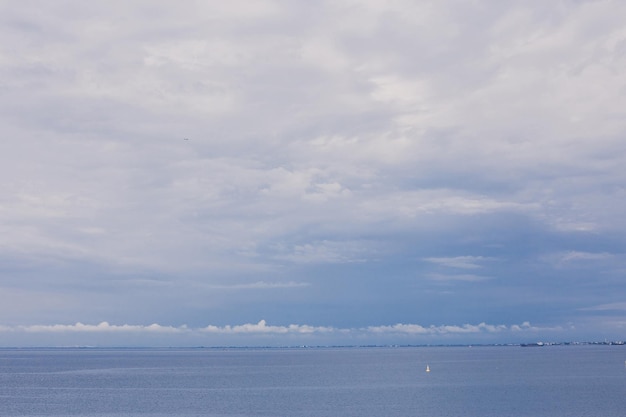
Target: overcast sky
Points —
{"points": [[298, 172]]}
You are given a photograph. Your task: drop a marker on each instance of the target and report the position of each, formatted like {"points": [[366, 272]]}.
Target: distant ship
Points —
{"points": [[427, 368]]}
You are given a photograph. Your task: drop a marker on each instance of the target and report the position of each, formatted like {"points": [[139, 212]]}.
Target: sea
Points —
{"points": [[480, 381]]}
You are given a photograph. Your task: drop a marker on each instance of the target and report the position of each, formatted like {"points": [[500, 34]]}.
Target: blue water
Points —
{"points": [[566, 381]]}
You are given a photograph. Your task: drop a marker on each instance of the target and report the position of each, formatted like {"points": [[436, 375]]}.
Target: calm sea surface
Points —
{"points": [[566, 381]]}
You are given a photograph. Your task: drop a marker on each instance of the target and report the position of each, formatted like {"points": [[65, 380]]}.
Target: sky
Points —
{"points": [[285, 173]]}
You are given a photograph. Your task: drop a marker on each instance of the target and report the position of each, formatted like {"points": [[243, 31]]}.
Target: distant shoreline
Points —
{"points": [[304, 347]]}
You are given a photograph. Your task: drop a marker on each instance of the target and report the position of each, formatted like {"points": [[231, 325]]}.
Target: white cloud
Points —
{"points": [[334, 135], [578, 259], [259, 285], [450, 329], [414, 204], [573, 256], [526, 326], [462, 262], [326, 252], [102, 327], [619, 306], [462, 329], [263, 328]]}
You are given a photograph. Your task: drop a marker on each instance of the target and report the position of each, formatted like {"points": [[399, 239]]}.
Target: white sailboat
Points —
{"points": [[427, 368]]}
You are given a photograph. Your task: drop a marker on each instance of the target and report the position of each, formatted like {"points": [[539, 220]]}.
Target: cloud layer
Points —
{"points": [[105, 334], [263, 327], [346, 164]]}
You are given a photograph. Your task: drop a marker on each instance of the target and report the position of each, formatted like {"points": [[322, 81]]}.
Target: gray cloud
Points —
{"points": [[333, 146]]}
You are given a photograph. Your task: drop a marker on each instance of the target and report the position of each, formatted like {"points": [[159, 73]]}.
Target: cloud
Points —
{"points": [[573, 256], [619, 306], [527, 327], [462, 262], [103, 327], [327, 252], [262, 327], [417, 329], [259, 285], [574, 259], [458, 277], [345, 150]]}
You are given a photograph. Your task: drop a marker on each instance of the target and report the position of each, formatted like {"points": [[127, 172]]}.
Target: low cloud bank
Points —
{"points": [[263, 328]]}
